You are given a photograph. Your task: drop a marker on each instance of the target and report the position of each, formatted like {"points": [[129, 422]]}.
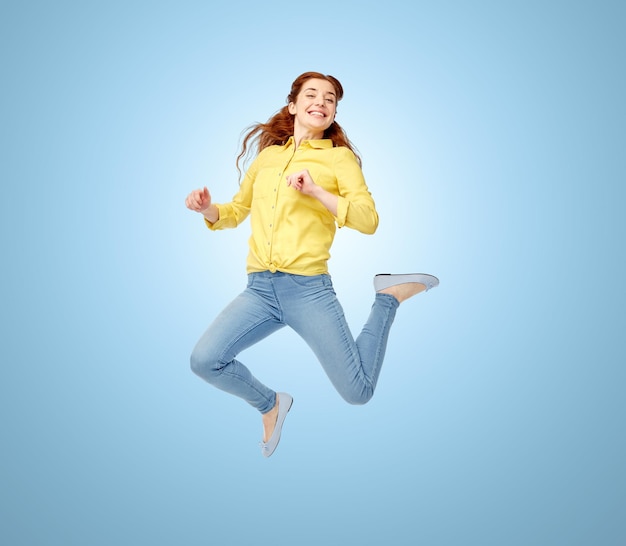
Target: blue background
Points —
{"points": [[492, 135]]}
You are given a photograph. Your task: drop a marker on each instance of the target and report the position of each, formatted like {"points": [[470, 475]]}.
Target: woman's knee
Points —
{"points": [[204, 364], [358, 398]]}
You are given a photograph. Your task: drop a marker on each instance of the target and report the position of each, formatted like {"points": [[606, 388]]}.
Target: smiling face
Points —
{"points": [[314, 109]]}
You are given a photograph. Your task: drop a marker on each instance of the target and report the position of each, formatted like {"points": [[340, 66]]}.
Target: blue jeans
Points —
{"points": [[309, 306]]}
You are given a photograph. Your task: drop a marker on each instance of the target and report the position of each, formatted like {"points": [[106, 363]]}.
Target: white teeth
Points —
{"points": [[318, 114]]}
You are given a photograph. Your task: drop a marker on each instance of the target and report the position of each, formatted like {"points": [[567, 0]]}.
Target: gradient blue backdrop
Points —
{"points": [[493, 142]]}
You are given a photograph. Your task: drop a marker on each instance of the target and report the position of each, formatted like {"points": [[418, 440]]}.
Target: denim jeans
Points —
{"points": [[309, 306]]}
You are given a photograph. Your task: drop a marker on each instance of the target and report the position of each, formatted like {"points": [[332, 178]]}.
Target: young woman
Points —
{"points": [[305, 180]]}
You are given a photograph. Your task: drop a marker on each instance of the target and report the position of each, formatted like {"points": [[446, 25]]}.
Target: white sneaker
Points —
{"points": [[385, 280]]}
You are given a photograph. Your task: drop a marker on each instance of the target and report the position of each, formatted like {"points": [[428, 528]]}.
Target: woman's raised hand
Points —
{"points": [[199, 200], [302, 182]]}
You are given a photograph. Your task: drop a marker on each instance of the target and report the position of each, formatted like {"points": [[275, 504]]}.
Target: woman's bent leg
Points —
{"points": [[244, 322], [315, 313]]}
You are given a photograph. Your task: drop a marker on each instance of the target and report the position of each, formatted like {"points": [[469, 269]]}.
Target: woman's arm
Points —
{"points": [[355, 208]]}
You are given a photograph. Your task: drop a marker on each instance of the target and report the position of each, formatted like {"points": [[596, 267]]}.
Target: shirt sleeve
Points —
{"points": [[356, 208], [235, 212]]}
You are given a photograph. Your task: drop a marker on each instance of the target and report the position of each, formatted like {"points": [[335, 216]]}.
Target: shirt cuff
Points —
{"points": [[221, 222]]}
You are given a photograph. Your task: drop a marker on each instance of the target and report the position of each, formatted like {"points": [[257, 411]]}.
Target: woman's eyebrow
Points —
{"points": [[314, 89]]}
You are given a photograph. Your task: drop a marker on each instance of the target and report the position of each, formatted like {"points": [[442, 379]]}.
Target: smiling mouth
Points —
{"points": [[317, 114]]}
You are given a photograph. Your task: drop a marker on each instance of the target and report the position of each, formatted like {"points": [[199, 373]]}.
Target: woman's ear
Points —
{"points": [[292, 108]]}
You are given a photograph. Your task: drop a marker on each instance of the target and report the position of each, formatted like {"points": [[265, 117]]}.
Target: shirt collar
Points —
{"points": [[317, 143]]}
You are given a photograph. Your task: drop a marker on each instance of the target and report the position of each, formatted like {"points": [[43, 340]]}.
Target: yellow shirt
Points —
{"points": [[293, 232]]}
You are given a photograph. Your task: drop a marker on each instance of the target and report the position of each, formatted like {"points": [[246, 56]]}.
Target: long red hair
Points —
{"points": [[279, 127]]}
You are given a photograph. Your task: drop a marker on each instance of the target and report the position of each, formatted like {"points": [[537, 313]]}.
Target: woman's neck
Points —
{"points": [[300, 136]]}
